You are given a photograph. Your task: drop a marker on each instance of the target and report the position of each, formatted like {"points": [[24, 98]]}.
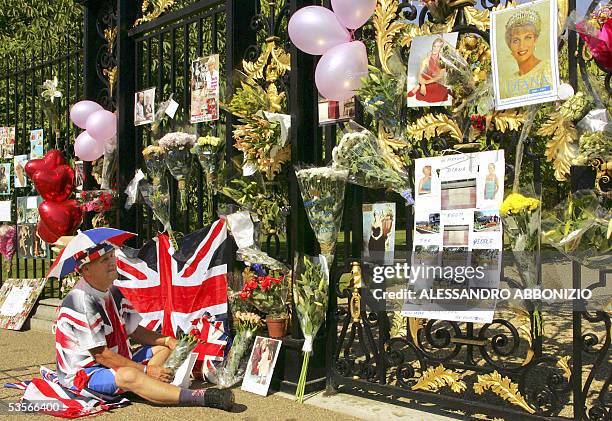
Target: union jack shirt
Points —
{"points": [[88, 319]]}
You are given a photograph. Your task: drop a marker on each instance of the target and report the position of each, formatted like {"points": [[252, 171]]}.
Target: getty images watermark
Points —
{"points": [[458, 283]]}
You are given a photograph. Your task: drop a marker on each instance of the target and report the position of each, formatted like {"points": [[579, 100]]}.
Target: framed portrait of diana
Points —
{"points": [[524, 54]]}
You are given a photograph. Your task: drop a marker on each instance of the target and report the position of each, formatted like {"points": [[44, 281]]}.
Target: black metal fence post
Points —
{"points": [[126, 147]]}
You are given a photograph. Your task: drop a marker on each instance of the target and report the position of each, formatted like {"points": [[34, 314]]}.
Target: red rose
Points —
{"points": [[243, 295], [195, 322], [251, 285], [277, 280], [265, 284]]}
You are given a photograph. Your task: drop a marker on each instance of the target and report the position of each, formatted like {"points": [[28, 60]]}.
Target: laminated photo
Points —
{"points": [[27, 209], [37, 145], [7, 142], [261, 364], [379, 232], [524, 54], [334, 111], [205, 89], [21, 180], [144, 107], [5, 178], [426, 80]]}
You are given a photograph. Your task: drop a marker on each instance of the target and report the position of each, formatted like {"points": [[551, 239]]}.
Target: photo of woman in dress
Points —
{"points": [[430, 87], [265, 362], [5, 183], [376, 244], [491, 183]]}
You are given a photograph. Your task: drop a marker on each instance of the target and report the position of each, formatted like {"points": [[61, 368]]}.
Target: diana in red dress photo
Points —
{"points": [[431, 73]]}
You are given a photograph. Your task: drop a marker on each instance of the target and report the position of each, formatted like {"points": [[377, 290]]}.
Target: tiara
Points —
{"points": [[524, 17]]}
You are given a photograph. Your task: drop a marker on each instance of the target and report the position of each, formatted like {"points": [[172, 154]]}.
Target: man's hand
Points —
{"points": [[159, 373], [171, 343]]}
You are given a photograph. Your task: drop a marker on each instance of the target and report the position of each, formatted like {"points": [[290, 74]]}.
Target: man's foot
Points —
{"points": [[219, 398]]}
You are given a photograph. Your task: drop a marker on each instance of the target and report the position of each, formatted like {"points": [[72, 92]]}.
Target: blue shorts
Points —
{"points": [[102, 379]]}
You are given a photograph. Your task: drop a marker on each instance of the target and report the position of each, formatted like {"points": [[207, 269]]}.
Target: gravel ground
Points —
{"points": [[21, 354]]}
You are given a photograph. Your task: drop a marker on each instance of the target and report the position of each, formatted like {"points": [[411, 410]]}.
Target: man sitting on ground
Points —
{"points": [[94, 327]]}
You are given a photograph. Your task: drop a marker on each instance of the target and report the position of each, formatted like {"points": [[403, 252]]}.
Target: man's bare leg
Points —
{"points": [[130, 379], [160, 355]]}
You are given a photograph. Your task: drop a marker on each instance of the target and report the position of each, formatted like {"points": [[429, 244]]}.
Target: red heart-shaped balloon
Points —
{"points": [[45, 233], [54, 185], [53, 159], [61, 218]]}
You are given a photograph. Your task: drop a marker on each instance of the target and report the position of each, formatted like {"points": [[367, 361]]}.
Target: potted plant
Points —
{"points": [[267, 292]]}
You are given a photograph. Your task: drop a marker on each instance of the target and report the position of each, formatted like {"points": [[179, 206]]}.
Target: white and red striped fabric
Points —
{"points": [[212, 350], [171, 289], [54, 399]]}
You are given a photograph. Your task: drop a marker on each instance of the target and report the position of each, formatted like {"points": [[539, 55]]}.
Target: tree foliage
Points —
{"points": [[38, 27]]}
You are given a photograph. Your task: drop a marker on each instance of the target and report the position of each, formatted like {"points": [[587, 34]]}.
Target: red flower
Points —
{"points": [[196, 333], [265, 284], [251, 285], [243, 295], [195, 322], [277, 280]]}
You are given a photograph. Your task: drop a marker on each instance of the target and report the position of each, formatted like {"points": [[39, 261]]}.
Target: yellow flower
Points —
{"points": [[516, 203]]}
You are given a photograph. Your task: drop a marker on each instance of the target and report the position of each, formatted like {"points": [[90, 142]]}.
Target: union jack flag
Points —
{"points": [[171, 289], [215, 344]]}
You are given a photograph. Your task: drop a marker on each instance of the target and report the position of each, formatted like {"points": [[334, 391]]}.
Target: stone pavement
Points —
{"points": [[21, 354]]}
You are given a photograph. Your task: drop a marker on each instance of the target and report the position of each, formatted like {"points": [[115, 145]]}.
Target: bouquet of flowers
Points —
{"points": [[459, 74], [231, 372], [177, 147], [154, 161], [157, 198], [99, 201], [207, 150], [596, 31], [581, 229], [369, 163], [322, 191], [267, 292], [521, 222], [186, 342], [51, 102], [8, 243], [310, 295]]}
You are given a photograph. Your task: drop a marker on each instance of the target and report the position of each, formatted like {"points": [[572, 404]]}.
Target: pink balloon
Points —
{"points": [[340, 70], [82, 110], [102, 125], [87, 148], [353, 13], [315, 29]]}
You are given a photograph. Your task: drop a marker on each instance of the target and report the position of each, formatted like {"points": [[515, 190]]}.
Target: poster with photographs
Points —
{"points": [[5, 179], [17, 298], [144, 107], [205, 89], [426, 80], [27, 209], [261, 364], [457, 226], [37, 145], [29, 245], [524, 54], [334, 111], [21, 179], [7, 142], [79, 175], [379, 232]]}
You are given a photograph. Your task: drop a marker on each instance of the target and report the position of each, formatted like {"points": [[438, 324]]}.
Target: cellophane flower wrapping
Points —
{"points": [[233, 368], [595, 136], [185, 344], [322, 190], [267, 291], [521, 215], [310, 296], [596, 31], [177, 154], [207, 150], [581, 229], [369, 164], [157, 198], [156, 165], [459, 73]]}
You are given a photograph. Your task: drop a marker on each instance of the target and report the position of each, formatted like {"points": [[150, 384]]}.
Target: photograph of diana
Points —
{"points": [[261, 364], [426, 75], [524, 54]]}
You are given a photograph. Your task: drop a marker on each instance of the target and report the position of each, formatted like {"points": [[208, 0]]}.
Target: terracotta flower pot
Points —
{"points": [[277, 327]]}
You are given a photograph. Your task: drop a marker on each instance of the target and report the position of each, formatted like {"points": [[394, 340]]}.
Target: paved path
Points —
{"points": [[21, 353]]}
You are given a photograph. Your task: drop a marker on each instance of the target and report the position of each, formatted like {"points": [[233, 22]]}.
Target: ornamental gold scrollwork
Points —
{"points": [[502, 387], [152, 9], [433, 379], [603, 175], [274, 61]]}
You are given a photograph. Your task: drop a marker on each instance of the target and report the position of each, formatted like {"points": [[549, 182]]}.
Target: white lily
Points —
{"points": [[50, 91]]}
